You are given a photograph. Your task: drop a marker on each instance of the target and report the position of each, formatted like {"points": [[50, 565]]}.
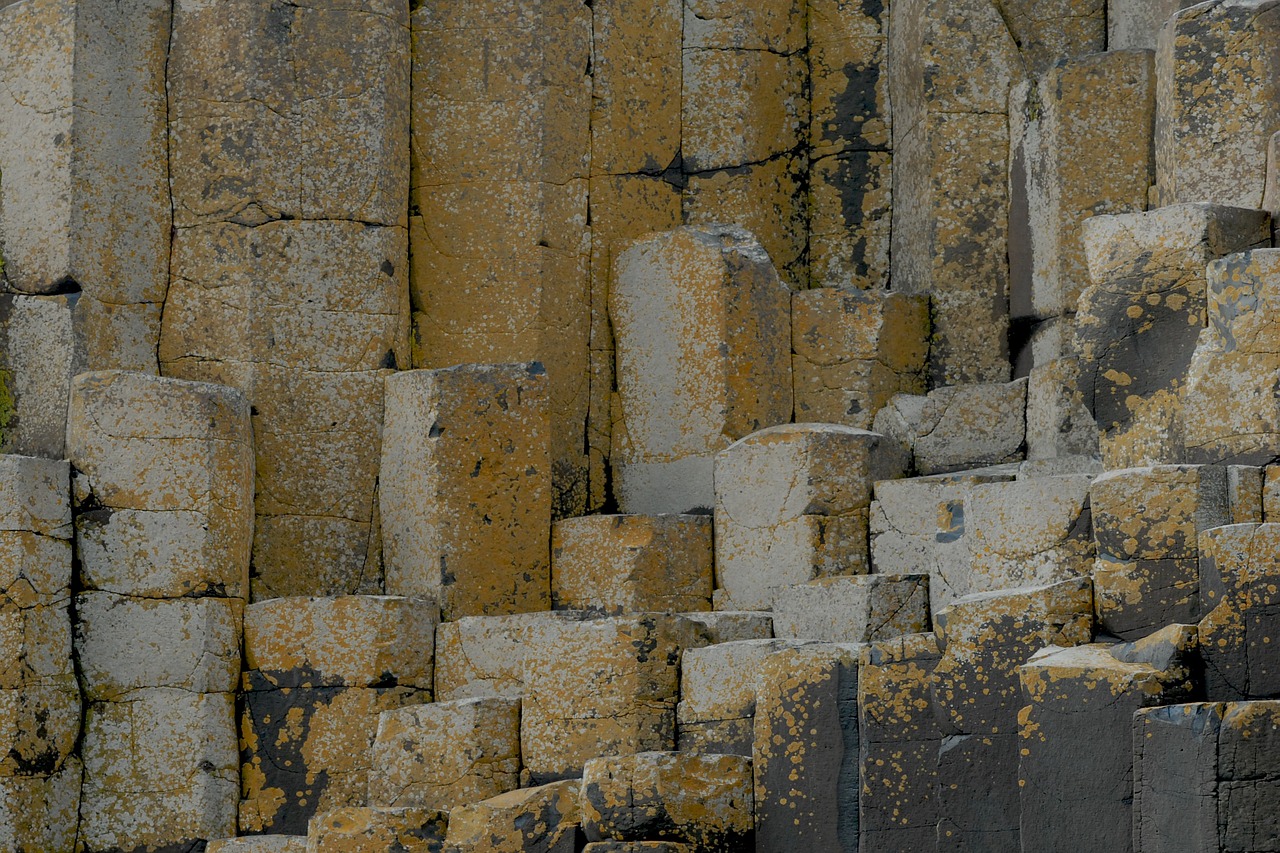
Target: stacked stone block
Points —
{"points": [[355, 829], [320, 671], [542, 819], [958, 427], [163, 514], [1240, 603], [484, 656]]}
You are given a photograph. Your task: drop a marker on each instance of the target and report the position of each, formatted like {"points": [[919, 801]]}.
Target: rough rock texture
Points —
{"points": [[465, 488], [39, 355], [356, 829], [958, 427], [480, 656], [703, 331], [857, 609], [259, 844], [542, 819], [1240, 603]]}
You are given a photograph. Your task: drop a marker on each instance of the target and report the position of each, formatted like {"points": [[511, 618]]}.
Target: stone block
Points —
{"points": [[259, 844], [617, 564], [466, 488], [1082, 147], [159, 770], [1240, 603], [718, 695], [636, 847], [164, 485], [1136, 23], [35, 498], [792, 504], [443, 755], [1213, 147], [356, 829], [38, 356], [805, 752], [1138, 321], [35, 632], [542, 819], [125, 644], [702, 327], [898, 745], [857, 609], [1058, 422], [1244, 493], [303, 317], [1229, 406], [1076, 733], [702, 800], [41, 812], [1047, 33], [307, 750], [850, 207], [275, 137], [481, 656], [599, 688], [959, 427], [39, 727], [853, 351], [988, 763], [728, 626]]}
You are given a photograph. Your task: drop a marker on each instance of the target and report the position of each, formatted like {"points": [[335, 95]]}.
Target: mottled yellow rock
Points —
{"points": [[1138, 321], [805, 753], [850, 206], [1216, 103], [702, 326], [39, 726], [501, 140], [718, 695], [958, 427], [39, 812], [898, 740], [852, 351], [636, 847], [1239, 565], [618, 564], [1229, 401], [1076, 733], [163, 486], [601, 687], [466, 488], [125, 644], [479, 656], [444, 755], [1058, 422], [159, 769], [543, 819], [791, 506], [703, 800], [38, 358], [1082, 135], [357, 829], [741, 106], [1137, 23], [259, 844], [856, 609], [728, 626]]}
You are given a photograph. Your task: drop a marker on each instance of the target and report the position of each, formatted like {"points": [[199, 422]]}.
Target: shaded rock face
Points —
{"points": [[750, 426]]}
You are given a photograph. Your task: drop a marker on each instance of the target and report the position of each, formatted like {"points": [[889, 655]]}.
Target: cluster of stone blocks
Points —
{"points": [[688, 426]]}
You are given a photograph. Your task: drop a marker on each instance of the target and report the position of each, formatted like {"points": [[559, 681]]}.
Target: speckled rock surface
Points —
{"points": [[857, 609], [356, 829], [542, 819], [959, 427], [1240, 605]]}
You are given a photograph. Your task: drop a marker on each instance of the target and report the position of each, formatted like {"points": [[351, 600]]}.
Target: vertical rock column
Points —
{"points": [[703, 330], [744, 113], [84, 178], [501, 143], [163, 500], [1240, 602], [39, 696], [289, 150]]}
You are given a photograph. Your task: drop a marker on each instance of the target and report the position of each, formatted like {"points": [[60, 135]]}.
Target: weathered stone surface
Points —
{"points": [[39, 726], [1240, 603], [444, 755], [163, 489], [792, 504], [976, 698], [703, 800], [466, 488], [601, 687], [39, 354], [636, 847], [1076, 734], [1082, 147], [728, 626], [1230, 399], [718, 695], [852, 351], [35, 498], [1136, 23], [1138, 321], [857, 609], [86, 196], [1216, 102], [850, 204], [543, 819], [303, 317], [619, 564], [958, 427], [702, 325], [805, 753], [159, 770], [125, 644], [347, 641], [1058, 422], [41, 812], [898, 745], [501, 248], [479, 656], [356, 829], [1047, 32], [259, 844], [1244, 493]]}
